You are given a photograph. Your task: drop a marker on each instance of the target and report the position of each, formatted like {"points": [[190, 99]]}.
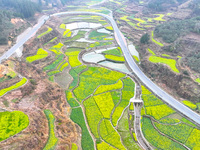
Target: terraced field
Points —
{"points": [[163, 127], [99, 98]]}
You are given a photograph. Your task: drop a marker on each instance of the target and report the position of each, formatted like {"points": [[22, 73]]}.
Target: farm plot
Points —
{"points": [[52, 140], [86, 140], [73, 58], [127, 94], [170, 62], [93, 77], [114, 58], [40, 55], [94, 35], [123, 129], [13, 87], [56, 48], [179, 132], [156, 139], [178, 129], [115, 51], [12, 123]]}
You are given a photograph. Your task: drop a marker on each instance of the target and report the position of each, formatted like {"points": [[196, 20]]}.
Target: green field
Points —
{"points": [[115, 51], [54, 64], [170, 62], [13, 87], [156, 139], [93, 77], [52, 140], [94, 35], [12, 123], [86, 140], [115, 58], [40, 55]]}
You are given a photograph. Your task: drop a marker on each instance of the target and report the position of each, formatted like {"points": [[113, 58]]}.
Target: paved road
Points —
{"points": [[143, 78], [137, 128], [32, 32], [184, 110]]}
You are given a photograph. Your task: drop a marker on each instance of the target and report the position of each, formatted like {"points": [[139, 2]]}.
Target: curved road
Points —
{"points": [[184, 110]]}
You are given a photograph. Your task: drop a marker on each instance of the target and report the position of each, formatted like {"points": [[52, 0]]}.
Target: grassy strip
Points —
{"points": [[52, 140], [49, 30], [150, 51], [56, 48], [97, 35], [109, 28], [86, 140], [54, 64], [115, 51], [170, 62], [160, 17], [51, 41], [190, 104], [15, 86], [70, 99], [74, 146], [156, 139], [100, 44], [40, 55], [115, 58], [125, 18], [12, 123], [158, 43], [198, 80]]}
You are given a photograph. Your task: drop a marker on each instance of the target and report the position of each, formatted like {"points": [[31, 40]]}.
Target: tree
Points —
{"points": [[145, 39]]}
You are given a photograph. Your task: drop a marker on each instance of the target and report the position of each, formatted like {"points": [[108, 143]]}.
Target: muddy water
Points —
{"points": [[83, 25], [115, 66], [93, 57], [133, 51]]}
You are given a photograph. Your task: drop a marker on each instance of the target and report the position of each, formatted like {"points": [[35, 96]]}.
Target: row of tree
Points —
{"points": [[24, 8]]}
